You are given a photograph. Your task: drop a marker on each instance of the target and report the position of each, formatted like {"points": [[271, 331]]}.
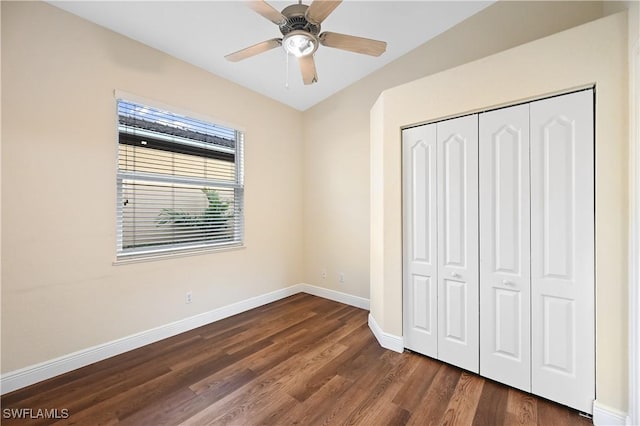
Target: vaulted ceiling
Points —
{"points": [[203, 32]]}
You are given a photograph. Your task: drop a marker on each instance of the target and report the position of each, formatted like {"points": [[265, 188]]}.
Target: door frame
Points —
{"points": [[634, 225]]}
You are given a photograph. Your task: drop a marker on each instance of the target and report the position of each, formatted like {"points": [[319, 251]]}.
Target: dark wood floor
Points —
{"points": [[302, 360]]}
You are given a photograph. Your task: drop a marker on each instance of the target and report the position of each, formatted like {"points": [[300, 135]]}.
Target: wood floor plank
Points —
{"points": [[521, 408], [358, 339], [233, 407], [166, 411], [551, 413], [379, 406], [302, 360], [321, 401], [464, 402], [342, 408], [363, 380], [417, 384], [220, 385], [435, 400], [492, 405]]}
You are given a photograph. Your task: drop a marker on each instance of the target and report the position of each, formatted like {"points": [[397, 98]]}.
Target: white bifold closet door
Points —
{"points": [[457, 187], [562, 249], [440, 232], [505, 351], [499, 243], [420, 240]]}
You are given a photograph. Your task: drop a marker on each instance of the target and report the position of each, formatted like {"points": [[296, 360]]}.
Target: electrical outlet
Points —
{"points": [[188, 297], [323, 273], [341, 277]]}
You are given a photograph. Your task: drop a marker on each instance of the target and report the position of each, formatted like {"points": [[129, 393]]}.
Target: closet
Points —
{"points": [[498, 235]]}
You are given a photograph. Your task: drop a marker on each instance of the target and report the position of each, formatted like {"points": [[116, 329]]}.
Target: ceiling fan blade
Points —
{"points": [[254, 50], [351, 43], [319, 10], [265, 9], [308, 69]]}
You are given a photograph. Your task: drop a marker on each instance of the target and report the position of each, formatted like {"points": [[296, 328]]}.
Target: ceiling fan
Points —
{"points": [[300, 28]]}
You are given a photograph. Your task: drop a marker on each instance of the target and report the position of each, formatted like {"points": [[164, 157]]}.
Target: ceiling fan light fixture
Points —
{"points": [[300, 43]]}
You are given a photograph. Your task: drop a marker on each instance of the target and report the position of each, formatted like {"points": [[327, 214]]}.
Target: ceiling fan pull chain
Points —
{"points": [[286, 83]]}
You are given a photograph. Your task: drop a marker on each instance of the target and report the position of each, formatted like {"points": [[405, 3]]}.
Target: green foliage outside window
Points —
{"points": [[215, 219]]}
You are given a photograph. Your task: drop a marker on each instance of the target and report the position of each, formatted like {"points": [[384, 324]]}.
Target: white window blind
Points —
{"points": [[180, 183]]}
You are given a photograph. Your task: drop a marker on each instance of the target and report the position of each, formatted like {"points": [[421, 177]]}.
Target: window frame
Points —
{"points": [[178, 249]]}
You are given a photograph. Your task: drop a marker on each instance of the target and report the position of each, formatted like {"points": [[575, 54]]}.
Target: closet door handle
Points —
{"points": [[507, 282], [455, 275]]}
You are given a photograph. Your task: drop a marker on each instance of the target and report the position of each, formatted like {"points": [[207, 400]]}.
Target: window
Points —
{"points": [[180, 184]]}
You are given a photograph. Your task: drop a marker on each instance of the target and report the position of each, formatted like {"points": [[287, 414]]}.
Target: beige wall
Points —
{"points": [[595, 53], [336, 131], [60, 291]]}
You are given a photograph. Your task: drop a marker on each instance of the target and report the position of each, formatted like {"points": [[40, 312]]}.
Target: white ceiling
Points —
{"points": [[202, 32]]}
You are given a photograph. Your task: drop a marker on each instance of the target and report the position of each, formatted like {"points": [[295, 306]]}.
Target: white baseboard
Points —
{"points": [[607, 416], [45, 370], [336, 296], [386, 340]]}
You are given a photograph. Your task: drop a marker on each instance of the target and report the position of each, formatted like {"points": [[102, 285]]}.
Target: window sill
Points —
{"points": [[152, 257]]}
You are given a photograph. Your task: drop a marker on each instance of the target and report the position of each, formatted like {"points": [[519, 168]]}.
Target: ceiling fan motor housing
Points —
{"points": [[296, 20]]}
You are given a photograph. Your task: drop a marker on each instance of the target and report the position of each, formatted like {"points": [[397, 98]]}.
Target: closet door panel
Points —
{"points": [[458, 242], [562, 249], [504, 246], [420, 236]]}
